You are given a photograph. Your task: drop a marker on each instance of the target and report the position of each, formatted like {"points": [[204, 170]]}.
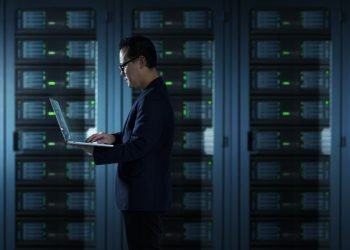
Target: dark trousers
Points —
{"points": [[143, 230]]}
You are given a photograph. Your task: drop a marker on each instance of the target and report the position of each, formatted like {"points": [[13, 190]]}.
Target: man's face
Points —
{"points": [[129, 68]]}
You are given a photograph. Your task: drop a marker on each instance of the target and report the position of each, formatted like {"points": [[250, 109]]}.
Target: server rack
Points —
{"points": [[292, 163], [185, 46], [290, 139], [60, 215], [52, 188]]}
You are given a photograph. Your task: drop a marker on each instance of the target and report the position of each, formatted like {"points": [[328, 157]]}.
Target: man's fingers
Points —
{"points": [[93, 137], [99, 137]]}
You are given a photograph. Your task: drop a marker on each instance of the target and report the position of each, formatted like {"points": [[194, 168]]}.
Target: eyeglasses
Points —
{"points": [[123, 65]]}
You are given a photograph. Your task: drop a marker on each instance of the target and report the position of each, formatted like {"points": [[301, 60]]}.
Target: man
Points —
{"points": [[142, 148]]}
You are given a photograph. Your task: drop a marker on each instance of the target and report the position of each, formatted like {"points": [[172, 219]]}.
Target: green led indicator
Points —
{"points": [[286, 113], [92, 102], [184, 112], [52, 53], [51, 174], [92, 163], [51, 23], [210, 102], [326, 102], [184, 77], [169, 83], [326, 72], [51, 113], [169, 53], [285, 23], [285, 53], [51, 144], [286, 83], [51, 83], [209, 72], [210, 163], [285, 144]]}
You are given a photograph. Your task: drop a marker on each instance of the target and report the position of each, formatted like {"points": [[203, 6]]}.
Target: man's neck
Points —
{"points": [[153, 74]]}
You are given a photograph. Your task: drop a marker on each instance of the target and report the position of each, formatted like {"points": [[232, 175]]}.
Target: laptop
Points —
{"points": [[65, 130]]}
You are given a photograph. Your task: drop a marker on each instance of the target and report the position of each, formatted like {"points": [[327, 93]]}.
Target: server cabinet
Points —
{"points": [[290, 165], [186, 47], [55, 199]]}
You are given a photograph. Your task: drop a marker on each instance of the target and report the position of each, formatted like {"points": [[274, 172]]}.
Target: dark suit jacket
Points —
{"points": [[143, 150]]}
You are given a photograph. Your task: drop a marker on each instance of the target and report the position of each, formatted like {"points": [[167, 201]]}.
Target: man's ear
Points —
{"points": [[143, 62]]}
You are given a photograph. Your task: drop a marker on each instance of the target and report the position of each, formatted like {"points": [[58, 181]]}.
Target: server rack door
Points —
{"points": [[55, 196], [2, 125], [186, 46], [290, 166]]}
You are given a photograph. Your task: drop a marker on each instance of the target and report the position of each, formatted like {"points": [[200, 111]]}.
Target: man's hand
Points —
{"points": [[101, 138], [98, 137]]}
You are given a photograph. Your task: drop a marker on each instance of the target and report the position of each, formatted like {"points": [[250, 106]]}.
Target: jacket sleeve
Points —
{"points": [[118, 138], [145, 134]]}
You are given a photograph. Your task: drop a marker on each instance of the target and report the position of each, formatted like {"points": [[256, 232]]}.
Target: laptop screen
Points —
{"points": [[60, 119]]}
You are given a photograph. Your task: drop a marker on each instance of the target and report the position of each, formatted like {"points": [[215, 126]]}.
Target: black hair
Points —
{"points": [[140, 46]]}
